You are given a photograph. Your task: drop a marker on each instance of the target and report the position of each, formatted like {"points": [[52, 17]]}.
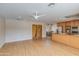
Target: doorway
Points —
{"points": [[36, 32]]}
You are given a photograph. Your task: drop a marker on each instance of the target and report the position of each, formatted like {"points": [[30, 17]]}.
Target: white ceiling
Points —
{"points": [[26, 10]]}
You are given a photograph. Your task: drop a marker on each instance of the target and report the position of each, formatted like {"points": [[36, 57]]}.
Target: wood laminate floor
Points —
{"points": [[37, 48]]}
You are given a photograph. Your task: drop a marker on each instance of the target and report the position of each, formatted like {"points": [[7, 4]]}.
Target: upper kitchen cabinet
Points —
{"points": [[68, 25]]}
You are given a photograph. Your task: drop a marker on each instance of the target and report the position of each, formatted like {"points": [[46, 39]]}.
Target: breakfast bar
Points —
{"points": [[71, 40]]}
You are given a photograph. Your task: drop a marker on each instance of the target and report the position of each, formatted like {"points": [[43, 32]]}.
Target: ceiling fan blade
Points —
{"points": [[41, 15], [36, 16]]}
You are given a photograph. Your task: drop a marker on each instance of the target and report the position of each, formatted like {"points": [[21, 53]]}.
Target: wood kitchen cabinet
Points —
{"points": [[68, 24], [71, 40], [62, 25]]}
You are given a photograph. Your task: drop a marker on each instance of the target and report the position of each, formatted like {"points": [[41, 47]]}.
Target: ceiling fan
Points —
{"points": [[19, 18], [36, 16]]}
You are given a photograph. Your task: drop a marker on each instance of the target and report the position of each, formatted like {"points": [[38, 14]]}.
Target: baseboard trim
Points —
{"points": [[17, 40], [1, 45], [21, 40]]}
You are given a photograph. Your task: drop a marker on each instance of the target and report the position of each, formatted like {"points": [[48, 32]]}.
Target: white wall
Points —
{"points": [[2, 32], [54, 28], [48, 28], [20, 30]]}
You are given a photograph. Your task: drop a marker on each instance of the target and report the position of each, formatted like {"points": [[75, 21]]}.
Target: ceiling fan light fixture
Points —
{"points": [[36, 16], [19, 17]]}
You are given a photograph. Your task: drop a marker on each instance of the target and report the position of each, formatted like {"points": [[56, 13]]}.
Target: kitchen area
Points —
{"points": [[69, 27], [67, 32]]}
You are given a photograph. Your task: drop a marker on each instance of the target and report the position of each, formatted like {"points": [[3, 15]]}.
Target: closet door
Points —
{"points": [[39, 32], [34, 32]]}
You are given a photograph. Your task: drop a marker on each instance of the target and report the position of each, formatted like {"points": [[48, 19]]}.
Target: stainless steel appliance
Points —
{"points": [[75, 30]]}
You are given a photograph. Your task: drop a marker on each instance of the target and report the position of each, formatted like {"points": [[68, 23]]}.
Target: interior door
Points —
{"points": [[34, 32], [39, 32]]}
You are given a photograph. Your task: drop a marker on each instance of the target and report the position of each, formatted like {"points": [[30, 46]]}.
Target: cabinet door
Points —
{"points": [[76, 23], [68, 23], [63, 27], [58, 24], [72, 23]]}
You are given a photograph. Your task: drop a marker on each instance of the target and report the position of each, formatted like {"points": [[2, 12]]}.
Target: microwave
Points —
{"points": [[75, 30]]}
